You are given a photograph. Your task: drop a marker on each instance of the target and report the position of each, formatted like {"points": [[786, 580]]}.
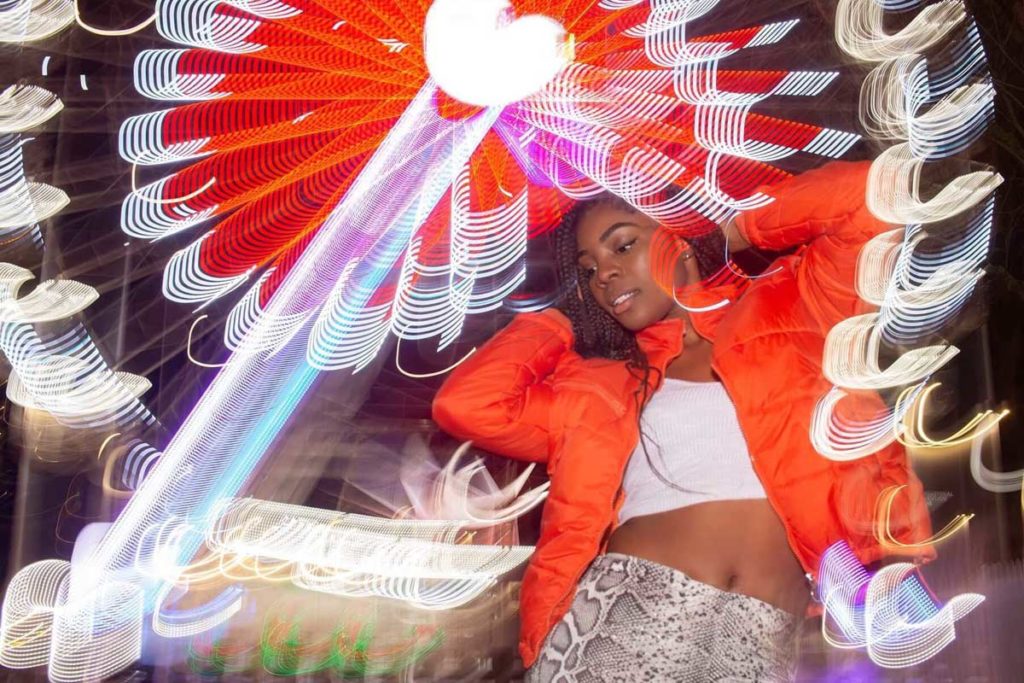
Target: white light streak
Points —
{"points": [[23, 107], [698, 84], [157, 77], [107, 620], [77, 393], [954, 123], [140, 141], [418, 561], [665, 36], [229, 430], [923, 275], [883, 524], [722, 128], [912, 433], [860, 29], [145, 213], [27, 617], [36, 608], [988, 479], [392, 44], [896, 621], [142, 25], [186, 281], [200, 24], [426, 375], [430, 300], [23, 203], [25, 21], [346, 333], [197, 620], [138, 463], [169, 200], [576, 126], [352, 555], [842, 435], [50, 301], [454, 495], [65, 376], [920, 281], [895, 93], [877, 263], [851, 357], [894, 189]]}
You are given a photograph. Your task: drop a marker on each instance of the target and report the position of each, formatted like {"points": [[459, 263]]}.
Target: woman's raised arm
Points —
{"points": [[829, 200], [825, 212], [499, 397]]}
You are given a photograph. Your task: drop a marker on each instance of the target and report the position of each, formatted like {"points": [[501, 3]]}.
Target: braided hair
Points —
{"points": [[597, 334]]}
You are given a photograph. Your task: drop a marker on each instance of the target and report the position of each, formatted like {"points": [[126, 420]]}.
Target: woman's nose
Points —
{"points": [[606, 272]]}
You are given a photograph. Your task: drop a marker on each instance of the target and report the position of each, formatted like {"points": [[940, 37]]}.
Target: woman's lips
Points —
{"points": [[625, 301]]}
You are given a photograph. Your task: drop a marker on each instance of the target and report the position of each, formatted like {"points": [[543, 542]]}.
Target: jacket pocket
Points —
{"points": [[616, 403]]}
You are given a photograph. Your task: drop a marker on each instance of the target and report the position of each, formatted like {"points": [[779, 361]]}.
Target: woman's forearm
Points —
{"points": [[826, 201], [498, 397]]}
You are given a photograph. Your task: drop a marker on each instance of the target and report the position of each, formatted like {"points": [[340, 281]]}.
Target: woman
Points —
{"points": [[683, 555]]}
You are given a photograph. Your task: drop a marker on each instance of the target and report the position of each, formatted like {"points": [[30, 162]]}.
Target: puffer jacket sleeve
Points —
{"points": [[500, 397], [825, 213], [827, 201]]}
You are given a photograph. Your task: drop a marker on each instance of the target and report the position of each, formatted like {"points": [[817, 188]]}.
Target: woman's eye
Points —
{"points": [[626, 247], [588, 272]]}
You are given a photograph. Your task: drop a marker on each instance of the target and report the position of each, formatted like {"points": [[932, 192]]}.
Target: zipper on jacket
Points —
{"points": [[603, 545], [793, 546]]}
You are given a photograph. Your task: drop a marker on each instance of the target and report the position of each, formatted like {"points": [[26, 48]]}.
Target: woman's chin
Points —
{"points": [[637, 317], [634, 320]]}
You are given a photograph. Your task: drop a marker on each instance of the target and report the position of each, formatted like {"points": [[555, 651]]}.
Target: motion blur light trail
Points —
{"points": [[29, 20], [890, 614], [618, 117], [357, 172], [421, 562], [228, 432], [23, 107], [349, 651], [60, 372], [920, 276]]}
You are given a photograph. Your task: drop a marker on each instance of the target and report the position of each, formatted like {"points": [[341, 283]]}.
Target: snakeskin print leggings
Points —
{"points": [[636, 620]]}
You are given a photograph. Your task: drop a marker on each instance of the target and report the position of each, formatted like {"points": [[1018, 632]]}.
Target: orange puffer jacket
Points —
{"points": [[526, 394]]}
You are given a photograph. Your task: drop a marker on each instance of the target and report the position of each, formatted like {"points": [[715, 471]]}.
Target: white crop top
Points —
{"points": [[694, 440]]}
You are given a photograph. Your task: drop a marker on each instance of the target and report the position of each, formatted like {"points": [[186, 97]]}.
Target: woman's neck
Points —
{"points": [[694, 363]]}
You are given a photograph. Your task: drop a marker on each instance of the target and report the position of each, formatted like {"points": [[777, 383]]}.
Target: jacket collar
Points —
{"points": [[662, 342]]}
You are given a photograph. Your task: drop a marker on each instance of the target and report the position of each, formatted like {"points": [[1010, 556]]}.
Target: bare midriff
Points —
{"points": [[733, 545]]}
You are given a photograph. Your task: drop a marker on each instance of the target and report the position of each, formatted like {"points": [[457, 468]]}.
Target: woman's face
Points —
{"points": [[615, 254]]}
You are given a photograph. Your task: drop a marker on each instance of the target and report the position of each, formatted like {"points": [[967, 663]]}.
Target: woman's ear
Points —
{"points": [[670, 255]]}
